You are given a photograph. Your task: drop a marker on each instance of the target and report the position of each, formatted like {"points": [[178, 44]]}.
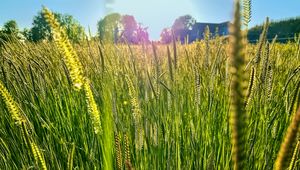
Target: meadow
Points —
{"points": [[148, 106]]}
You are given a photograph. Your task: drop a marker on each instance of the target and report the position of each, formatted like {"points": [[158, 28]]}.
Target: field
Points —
{"points": [[160, 106]]}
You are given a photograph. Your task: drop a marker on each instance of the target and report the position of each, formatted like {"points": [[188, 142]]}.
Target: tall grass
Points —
{"points": [[238, 87], [169, 107]]}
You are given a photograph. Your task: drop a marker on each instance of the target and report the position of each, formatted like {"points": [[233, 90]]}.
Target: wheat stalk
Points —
{"points": [[286, 149], [238, 86], [70, 57], [92, 108]]}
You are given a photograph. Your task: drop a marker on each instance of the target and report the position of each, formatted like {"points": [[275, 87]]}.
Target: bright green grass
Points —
{"points": [[185, 121]]}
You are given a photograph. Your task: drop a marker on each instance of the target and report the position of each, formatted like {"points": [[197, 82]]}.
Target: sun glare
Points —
{"points": [[155, 14]]}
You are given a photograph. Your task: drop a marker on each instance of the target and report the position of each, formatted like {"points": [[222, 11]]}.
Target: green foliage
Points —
{"points": [[122, 29], [41, 31], [173, 107], [9, 32], [109, 26], [185, 121], [10, 27], [284, 29]]}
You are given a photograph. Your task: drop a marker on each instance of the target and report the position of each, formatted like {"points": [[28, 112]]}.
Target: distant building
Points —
{"points": [[198, 30]]}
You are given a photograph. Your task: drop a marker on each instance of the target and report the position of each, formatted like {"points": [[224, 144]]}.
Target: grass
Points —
{"points": [[161, 107]]}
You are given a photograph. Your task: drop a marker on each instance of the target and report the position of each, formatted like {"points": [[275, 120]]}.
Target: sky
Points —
{"points": [[154, 14]]}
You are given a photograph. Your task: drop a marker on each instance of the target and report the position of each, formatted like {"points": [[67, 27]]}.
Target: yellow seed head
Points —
{"points": [[11, 105], [92, 108], [63, 44]]}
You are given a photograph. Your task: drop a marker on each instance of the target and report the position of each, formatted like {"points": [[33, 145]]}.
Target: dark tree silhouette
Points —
{"points": [[284, 29]]}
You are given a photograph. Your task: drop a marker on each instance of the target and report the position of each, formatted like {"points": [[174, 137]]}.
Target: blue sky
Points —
{"points": [[155, 14]]}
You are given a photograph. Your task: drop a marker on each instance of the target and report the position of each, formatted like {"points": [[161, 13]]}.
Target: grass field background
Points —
{"points": [[218, 103]]}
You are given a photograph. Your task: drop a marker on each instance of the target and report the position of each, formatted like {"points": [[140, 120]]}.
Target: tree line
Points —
{"points": [[115, 28], [40, 30], [285, 30], [119, 29]]}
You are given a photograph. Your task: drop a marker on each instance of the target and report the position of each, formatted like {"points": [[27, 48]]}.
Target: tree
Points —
{"points": [[116, 28], [284, 29], [41, 30], [166, 36], [132, 32], [108, 27], [182, 26], [130, 26], [142, 35], [10, 30]]}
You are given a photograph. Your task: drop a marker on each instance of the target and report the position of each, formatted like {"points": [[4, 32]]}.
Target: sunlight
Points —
{"points": [[155, 14]]}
